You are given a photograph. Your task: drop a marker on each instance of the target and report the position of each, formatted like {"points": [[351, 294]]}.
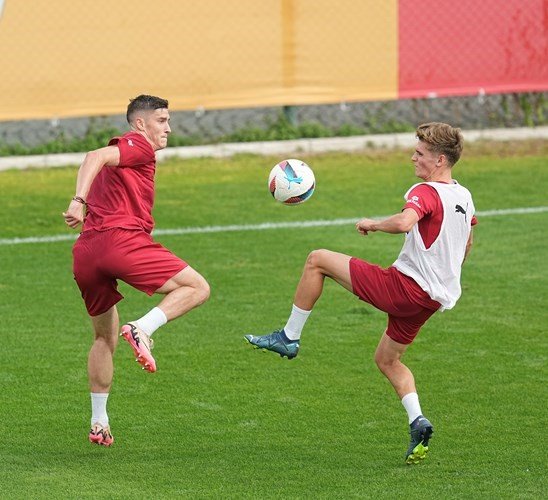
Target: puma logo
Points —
{"points": [[459, 209]]}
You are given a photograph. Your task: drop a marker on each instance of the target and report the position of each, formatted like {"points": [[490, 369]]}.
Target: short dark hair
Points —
{"points": [[443, 139], [144, 103]]}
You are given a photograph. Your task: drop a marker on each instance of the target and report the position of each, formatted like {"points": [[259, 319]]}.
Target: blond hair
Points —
{"points": [[442, 139]]}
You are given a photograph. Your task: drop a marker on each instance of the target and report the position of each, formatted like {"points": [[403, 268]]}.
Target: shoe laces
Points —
{"points": [[149, 343], [100, 429]]}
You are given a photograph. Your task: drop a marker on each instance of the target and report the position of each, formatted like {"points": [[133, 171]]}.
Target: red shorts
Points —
{"points": [[102, 257], [407, 305]]}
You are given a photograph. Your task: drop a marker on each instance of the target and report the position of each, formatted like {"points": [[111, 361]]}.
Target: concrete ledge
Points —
{"points": [[40, 161], [284, 148]]}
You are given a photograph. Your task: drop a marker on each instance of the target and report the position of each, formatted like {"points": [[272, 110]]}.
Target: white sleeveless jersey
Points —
{"points": [[437, 269]]}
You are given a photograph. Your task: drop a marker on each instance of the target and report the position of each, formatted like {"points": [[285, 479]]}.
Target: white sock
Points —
{"points": [[99, 408], [296, 322], [411, 404], [152, 320]]}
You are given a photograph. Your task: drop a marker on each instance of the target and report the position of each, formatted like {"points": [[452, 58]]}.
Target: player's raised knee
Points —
{"points": [[316, 258], [382, 361], [202, 291]]}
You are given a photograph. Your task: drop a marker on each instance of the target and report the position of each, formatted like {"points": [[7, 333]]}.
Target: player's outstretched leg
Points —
{"points": [[276, 341], [100, 434], [421, 430], [141, 344]]}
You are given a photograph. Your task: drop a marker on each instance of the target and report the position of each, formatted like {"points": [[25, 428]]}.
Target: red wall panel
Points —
{"points": [[449, 47]]}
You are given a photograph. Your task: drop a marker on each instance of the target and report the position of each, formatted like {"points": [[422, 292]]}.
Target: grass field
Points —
{"points": [[219, 420]]}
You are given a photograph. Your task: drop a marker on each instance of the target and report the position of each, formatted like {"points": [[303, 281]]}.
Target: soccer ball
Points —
{"points": [[291, 182]]}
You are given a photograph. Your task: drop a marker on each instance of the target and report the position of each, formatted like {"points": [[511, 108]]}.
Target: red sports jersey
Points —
{"points": [[123, 196]]}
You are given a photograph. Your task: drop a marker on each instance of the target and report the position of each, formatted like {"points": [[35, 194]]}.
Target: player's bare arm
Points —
{"points": [[469, 244], [91, 166], [398, 223]]}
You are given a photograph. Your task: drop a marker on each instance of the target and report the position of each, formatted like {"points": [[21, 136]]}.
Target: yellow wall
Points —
{"points": [[61, 58]]}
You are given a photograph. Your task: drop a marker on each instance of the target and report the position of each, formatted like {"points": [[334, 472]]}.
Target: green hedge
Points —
{"points": [[278, 129]]}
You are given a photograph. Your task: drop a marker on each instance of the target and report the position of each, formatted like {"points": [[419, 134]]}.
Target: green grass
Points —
{"points": [[219, 420]]}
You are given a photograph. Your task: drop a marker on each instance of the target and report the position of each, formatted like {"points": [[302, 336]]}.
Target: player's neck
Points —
{"points": [[439, 176], [447, 179]]}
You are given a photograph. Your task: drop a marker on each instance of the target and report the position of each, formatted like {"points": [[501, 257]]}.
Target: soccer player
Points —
{"points": [[113, 200], [437, 218]]}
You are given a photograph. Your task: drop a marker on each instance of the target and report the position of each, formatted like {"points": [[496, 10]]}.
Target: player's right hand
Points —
{"points": [[364, 226], [74, 216]]}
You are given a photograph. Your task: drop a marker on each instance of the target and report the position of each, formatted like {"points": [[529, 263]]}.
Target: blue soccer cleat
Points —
{"points": [[421, 430], [275, 342]]}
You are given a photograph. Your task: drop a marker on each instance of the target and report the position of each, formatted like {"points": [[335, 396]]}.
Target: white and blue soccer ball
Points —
{"points": [[291, 182]]}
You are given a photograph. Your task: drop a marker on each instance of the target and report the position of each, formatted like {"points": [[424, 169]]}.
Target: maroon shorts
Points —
{"points": [[407, 305], [102, 257]]}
